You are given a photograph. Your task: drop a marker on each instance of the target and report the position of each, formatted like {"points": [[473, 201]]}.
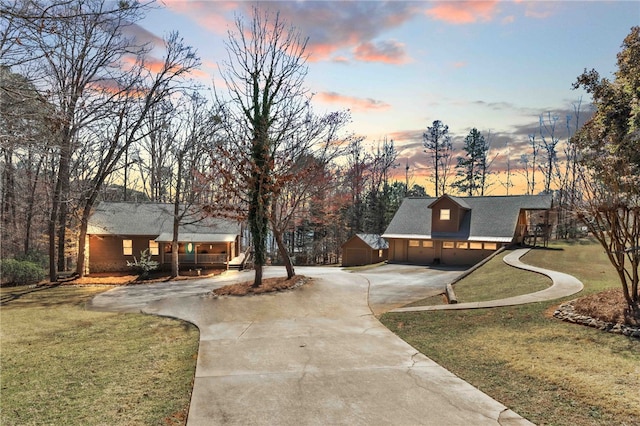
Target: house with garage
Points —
{"points": [[463, 230], [118, 231], [364, 249]]}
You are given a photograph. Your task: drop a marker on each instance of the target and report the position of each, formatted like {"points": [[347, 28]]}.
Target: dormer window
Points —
{"points": [[445, 214]]}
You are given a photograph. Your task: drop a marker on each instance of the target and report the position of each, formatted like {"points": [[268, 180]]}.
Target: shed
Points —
{"points": [[364, 249]]}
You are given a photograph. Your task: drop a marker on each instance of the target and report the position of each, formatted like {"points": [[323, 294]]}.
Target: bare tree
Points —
{"points": [[549, 143], [79, 49], [358, 162], [298, 167], [264, 75], [507, 183], [24, 127]]}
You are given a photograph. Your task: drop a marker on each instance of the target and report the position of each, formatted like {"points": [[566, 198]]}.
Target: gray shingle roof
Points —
{"points": [[488, 218], [374, 241], [111, 218]]}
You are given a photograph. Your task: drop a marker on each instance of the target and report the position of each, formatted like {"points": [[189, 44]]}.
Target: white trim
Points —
{"points": [[428, 237], [491, 239], [408, 236], [190, 237]]}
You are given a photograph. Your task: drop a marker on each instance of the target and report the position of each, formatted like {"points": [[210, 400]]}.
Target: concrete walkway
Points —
{"points": [[563, 285], [313, 356]]}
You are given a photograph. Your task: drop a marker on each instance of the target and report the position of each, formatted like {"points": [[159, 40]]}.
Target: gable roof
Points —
{"points": [[375, 241], [154, 219], [458, 200], [488, 218]]}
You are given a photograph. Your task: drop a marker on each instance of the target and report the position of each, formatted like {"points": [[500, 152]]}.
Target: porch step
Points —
{"points": [[237, 263]]}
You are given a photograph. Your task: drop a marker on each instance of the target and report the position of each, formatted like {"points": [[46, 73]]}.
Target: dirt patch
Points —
{"points": [[269, 285], [609, 306]]}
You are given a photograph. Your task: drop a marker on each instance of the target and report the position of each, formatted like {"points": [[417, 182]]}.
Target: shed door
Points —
{"points": [[356, 256]]}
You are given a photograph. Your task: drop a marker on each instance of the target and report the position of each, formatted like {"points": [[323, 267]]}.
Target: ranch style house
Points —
{"points": [[118, 231]]}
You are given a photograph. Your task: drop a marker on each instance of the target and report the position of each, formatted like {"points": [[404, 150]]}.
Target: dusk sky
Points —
{"points": [[398, 66]]}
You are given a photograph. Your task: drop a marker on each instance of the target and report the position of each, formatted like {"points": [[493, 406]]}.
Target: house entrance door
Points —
{"points": [[189, 252]]}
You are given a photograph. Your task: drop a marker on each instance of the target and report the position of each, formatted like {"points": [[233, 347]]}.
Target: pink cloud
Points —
{"points": [[464, 12], [460, 64], [329, 27], [353, 103], [215, 16], [389, 52]]}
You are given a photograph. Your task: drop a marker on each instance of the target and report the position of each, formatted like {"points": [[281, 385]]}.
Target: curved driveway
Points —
{"points": [[563, 285], [313, 356]]}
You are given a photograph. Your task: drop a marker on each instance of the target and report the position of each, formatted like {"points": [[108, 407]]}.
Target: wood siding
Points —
{"points": [[356, 252]]}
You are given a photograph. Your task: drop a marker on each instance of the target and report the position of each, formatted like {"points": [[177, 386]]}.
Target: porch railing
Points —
{"points": [[197, 258]]}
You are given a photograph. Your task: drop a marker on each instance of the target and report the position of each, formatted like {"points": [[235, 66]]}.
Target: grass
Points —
{"points": [[493, 281], [549, 371], [62, 364]]}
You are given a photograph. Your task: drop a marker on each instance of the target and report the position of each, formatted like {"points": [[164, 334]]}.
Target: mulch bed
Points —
{"points": [[269, 285], [609, 306], [606, 311]]}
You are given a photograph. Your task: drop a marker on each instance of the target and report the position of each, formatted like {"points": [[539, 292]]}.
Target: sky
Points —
{"points": [[398, 66]]}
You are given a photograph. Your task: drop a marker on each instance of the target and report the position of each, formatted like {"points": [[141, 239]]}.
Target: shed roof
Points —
{"points": [[375, 241], [153, 219], [487, 218]]}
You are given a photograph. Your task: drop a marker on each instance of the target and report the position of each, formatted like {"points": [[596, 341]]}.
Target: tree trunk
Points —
{"points": [[284, 254], [175, 267], [30, 205], [62, 233], [258, 276], [82, 240], [84, 224], [53, 217]]}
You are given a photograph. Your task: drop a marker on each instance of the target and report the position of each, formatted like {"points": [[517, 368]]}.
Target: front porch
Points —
{"points": [[199, 254]]}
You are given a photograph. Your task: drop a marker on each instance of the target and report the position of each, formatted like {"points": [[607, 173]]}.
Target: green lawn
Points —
{"points": [[549, 371], [62, 364], [493, 281]]}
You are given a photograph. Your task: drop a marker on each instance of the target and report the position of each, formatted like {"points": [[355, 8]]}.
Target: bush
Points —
{"points": [[144, 265], [21, 272], [34, 257]]}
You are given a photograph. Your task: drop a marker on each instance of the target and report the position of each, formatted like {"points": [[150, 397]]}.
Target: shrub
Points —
{"points": [[20, 271], [34, 257], [144, 265]]}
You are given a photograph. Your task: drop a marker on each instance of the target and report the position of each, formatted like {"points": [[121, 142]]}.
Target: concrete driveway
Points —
{"points": [[312, 356], [393, 285]]}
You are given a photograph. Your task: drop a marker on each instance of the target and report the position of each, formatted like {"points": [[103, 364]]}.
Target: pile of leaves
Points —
{"points": [[269, 285]]}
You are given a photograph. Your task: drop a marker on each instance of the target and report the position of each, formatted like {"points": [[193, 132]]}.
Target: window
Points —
{"points": [[154, 248], [427, 243], [475, 246], [490, 246], [379, 253], [127, 247], [414, 243], [448, 244], [462, 245], [445, 214]]}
